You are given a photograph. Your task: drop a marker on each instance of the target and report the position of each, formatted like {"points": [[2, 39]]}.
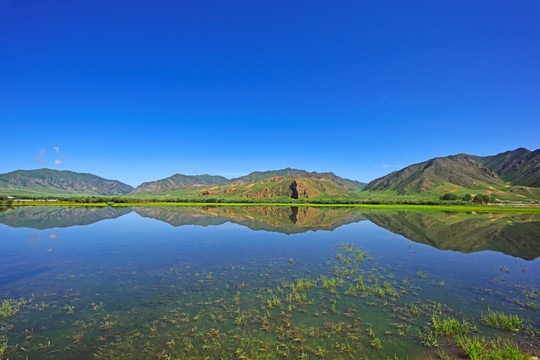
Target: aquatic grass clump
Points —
{"points": [[303, 285], [479, 349], [11, 307], [499, 320], [376, 343], [451, 326], [427, 337], [389, 289], [328, 283], [3, 345]]}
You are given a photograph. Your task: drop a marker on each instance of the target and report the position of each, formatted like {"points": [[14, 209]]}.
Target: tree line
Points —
{"points": [[478, 199]]}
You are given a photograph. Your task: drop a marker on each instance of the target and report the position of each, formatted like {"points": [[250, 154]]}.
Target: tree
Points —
{"points": [[449, 196], [466, 197], [483, 199]]}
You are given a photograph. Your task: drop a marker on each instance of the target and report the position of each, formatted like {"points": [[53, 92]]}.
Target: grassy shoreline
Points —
{"points": [[418, 207]]}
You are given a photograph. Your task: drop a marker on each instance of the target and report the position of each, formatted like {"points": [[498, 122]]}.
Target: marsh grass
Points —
{"points": [[11, 307], [499, 320], [479, 349], [427, 338], [290, 317], [3, 345], [451, 326]]}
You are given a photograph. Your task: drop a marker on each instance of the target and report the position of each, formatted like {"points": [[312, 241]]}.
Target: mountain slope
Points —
{"points": [[60, 182], [519, 167], [461, 170], [178, 181], [295, 187], [264, 175], [257, 176]]}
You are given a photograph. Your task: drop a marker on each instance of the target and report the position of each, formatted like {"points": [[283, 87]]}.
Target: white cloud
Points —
{"points": [[58, 162], [57, 149], [39, 158]]}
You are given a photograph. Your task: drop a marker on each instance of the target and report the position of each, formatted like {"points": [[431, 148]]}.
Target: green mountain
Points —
{"points": [[48, 181], [461, 170], [179, 181], [519, 167], [493, 174]]}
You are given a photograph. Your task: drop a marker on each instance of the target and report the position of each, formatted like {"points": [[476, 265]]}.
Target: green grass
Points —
{"points": [[10, 307], [451, 326], [3, 345], [499, 320], [479, 349]]}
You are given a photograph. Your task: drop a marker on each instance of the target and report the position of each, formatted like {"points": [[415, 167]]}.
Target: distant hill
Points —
{"points": [[178, 181], [48, 181], [518, 167]]}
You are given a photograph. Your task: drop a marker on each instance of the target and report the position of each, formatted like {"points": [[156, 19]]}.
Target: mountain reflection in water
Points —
{"points": [[510, 233]]}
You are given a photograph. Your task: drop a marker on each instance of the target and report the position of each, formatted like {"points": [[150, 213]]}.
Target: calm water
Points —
{"points": [[259, 282]]}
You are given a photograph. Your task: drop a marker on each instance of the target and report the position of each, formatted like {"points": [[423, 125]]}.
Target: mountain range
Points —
{"points": [[514, 173]]}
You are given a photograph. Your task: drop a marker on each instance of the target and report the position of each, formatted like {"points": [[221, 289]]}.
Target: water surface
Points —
{"points": [[256, 282]]}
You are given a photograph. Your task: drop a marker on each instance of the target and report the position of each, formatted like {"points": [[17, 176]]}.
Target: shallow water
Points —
{"points": [[252, 282]]}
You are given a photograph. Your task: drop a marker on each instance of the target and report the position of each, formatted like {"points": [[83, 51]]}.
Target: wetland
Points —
{"points": [[264, 282]]}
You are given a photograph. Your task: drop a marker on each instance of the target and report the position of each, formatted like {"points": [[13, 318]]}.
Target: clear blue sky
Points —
{"points": [[140, 90]]}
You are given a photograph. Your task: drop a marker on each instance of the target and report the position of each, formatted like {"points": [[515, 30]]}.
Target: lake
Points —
{"points": [[263, 282]]}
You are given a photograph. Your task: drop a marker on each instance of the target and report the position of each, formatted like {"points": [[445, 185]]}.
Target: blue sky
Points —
{"points": [[140, 90]]}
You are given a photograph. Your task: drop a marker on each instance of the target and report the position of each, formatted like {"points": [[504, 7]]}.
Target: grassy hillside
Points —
{"points": [[295, 187], [179, 181], [513, 176], [461, 170], [518, 167]]}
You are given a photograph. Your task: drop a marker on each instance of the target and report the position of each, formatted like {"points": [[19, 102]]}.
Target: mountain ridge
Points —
{"points": [[62, 182], [177, 181], [516, 167]]}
